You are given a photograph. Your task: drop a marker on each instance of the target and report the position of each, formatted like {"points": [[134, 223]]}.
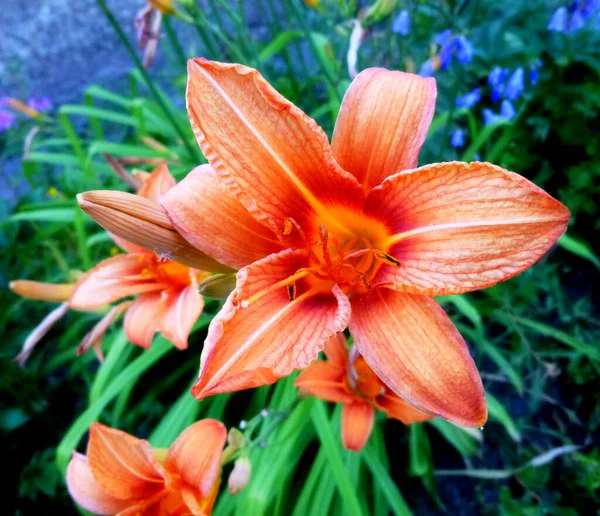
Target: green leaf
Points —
{"points": [[282, 40], [382, 478], [44, 215], [579, 248], [99, 113], [463, 441], [481, 139], [498, 412], [331, 447], [419, 451]]}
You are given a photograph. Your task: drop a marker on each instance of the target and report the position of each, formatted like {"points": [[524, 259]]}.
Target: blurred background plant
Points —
{"points": [[517, 86]]}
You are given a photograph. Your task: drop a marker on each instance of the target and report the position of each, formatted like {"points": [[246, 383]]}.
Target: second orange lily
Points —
{"points": [[346, 378]]}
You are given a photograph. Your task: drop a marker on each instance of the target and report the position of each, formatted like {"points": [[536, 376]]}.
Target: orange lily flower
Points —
{"points": [[347, 235], [346, 378], [123, 475], [168, 300]]}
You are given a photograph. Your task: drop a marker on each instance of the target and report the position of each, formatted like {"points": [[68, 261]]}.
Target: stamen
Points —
{"points": [[287, 227], [386, 258], [324, 243], [291, 288], [283, 283]]}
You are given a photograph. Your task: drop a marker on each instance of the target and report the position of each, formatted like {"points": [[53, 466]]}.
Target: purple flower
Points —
{"points": [[4, 101], [401, 23], [559, 20], [6, 121], [464, 49], [516, 84], [469, 100], [507, 110], [40, 104], [426, 69], [458, 138]]}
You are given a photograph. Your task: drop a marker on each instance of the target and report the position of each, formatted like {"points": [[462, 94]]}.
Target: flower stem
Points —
{"points": [[147, 79]]}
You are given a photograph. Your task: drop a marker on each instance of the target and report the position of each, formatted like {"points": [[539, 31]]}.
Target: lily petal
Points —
{"points": [[275, 159], [84, 489], [324, 380], [255, 343], [382, 124], [336, 350], [209, 216], [53, 292], [412, 345], [159, 182], [122, 464], [196, 454], [357, 424], [396, 408], [142, 319], [459, 227], [182, 309], [113, 279]]}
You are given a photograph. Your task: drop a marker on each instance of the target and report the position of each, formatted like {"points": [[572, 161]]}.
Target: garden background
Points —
{"points": [[517, 86]]}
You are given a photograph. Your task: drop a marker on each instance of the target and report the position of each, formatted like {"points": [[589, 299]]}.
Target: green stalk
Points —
{"points": [[192, 151], [212, 49], [177, 49], [331, 81], [285, 51]]}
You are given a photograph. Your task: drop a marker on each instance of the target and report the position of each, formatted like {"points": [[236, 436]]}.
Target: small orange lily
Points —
{"points": [[347, 235], [346, 378], [168, 298], [123, 475]]}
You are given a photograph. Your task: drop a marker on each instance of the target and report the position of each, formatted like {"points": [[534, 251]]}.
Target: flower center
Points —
{"points": [[162, 270]]}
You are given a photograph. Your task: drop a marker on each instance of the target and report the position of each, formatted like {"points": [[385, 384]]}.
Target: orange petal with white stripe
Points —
{"points": [[196, 454], [275, 159], [412, 345], [210, 217], [122, 464], [457, 227], [260, 334], [357, 423], [113, 279], [86, 491], [382, 124]]}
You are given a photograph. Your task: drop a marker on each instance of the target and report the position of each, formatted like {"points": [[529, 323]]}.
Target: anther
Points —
{"points": [[291, 289], [386, 258], [287, 227]]}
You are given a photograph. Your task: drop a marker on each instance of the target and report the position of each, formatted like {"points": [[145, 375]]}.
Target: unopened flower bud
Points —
{"points": [[144, 223], [217, 286], [235, 438], [53, 292], [240, 475]]}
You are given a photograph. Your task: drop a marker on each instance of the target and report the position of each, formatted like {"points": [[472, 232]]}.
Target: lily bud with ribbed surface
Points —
{"points": [[144, 223]]}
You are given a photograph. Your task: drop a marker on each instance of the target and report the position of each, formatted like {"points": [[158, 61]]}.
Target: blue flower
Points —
{"points": [[443, 38], [489, 117], [40, 104], [469, 100], [533, 75], [427, 69], [496, 80], [6, 121], [507, 110], [559, 20], [401, 23], [458, 138], [464, 49], [515, 85], [577, 21]]}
